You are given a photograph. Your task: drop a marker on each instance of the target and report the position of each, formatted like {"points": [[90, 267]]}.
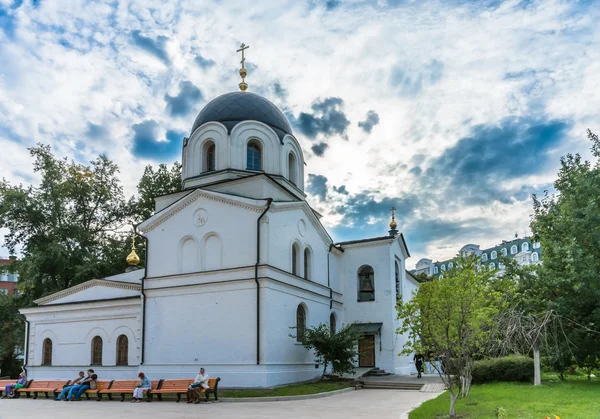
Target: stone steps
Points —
{"points": [[384, 385]]}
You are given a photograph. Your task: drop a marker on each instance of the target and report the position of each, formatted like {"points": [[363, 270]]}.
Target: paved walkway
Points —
{"points": [[425, 379], [381, 404]]}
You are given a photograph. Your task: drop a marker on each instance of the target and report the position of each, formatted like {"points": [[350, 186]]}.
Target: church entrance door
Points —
{"points": [[366, 348]]}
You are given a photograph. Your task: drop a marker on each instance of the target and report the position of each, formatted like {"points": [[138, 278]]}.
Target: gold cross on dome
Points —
{"points": [[393, 212], [243, 47]]}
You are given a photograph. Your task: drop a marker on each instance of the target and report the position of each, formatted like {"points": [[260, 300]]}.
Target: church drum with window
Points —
{"points": [[234, 260]]}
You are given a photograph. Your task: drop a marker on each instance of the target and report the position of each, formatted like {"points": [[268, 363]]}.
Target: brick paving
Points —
{"points": [[380, 404]]}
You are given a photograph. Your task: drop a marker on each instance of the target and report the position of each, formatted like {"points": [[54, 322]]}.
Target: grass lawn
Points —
{"points": [[291, 390], [574, 398]]}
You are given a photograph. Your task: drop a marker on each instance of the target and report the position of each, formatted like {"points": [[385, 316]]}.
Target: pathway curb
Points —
{"points": [[285, 398]]}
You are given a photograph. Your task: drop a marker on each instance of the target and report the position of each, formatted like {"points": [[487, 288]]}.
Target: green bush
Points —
{"points": [[508, 368]]}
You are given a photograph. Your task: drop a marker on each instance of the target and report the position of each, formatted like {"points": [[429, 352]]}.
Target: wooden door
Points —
{"points": [[366, 348]]}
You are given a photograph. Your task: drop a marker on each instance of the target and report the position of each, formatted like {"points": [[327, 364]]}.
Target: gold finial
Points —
{"points": [[393, 224], [243, 72], [133, 259]]}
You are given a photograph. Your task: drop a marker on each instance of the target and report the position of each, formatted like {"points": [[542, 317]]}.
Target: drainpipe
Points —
{"points": [[269, 201], [328, 278], [26, 346], [143, 347]]}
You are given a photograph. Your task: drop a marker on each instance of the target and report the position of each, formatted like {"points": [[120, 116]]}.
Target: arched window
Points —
{"points": [[332, 324], [435, 269], [504, 251], [47, 352], [492, 266], [500, 265], [122, 350], [513, 249], [450, 265], [525, 247], [295, 259], [300, 323], [443, 267], [210, 158], [97, 350], [292, 169], [494, 255], [484, 257], [254, 156], [537, 245], [307, 264], [366, 284], [535, 257]]}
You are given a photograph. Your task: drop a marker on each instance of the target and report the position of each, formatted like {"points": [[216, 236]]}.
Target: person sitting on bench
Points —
{"points": [[83, 385], [193, 395], [66, 389], [138, 391], [19, 384]]}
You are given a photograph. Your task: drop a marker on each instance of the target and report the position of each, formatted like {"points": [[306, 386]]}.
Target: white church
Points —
{"points": [[233, 261]]}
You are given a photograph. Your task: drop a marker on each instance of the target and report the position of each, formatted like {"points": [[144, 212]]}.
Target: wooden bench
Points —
{"points": [[23, 389], [124, 387], [213, 386], [181, 386], [4, 383], [177, 386], [43, 386], [100, 385]]}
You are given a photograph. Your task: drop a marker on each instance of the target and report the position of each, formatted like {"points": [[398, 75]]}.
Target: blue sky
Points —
{"points": [[454, 112]]}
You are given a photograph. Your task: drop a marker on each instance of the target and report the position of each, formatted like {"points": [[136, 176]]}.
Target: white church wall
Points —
{"points": [[178, 245], [247, 131], [379, 257], [291, 226], [193, 153], [252, 187], [293, 362], [72, 327], [189, 326]]}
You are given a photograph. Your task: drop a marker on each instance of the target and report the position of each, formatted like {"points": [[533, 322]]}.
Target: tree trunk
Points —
{"points": [[452, 402], [537, 378]]}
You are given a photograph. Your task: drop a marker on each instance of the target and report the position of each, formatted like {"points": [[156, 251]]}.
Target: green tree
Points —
{"points": [[68, 226], [336, 349], [162, 181], [452, 317], [567, 224], [11, 332]]}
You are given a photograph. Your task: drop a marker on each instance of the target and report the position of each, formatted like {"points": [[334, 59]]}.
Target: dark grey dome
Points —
{"points": [[235, 107]]}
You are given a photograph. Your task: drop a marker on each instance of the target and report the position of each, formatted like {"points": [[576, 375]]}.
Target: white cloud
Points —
{"points": [[430, 70]]}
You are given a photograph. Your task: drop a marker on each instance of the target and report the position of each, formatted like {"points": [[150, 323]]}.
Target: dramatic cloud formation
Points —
{"points": [[204, 62], [479, 168], [189, 98], [472, 103], [326, 119], [319, 149], [156, 47], [317, 186], [146, 144], [370, 121]]}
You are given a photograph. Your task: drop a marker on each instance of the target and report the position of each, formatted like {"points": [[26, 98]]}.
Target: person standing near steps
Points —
{"points": [[419, 359]]}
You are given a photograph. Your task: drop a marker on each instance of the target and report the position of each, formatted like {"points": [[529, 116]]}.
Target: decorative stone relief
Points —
{"points": [[200, 217], [302, 227]]}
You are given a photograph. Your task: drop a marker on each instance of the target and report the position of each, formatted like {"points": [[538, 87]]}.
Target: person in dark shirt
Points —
{"points": [[419, 359]]}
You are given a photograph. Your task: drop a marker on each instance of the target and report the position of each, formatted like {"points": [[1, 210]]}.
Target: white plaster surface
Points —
{"points": [[381, 404]]}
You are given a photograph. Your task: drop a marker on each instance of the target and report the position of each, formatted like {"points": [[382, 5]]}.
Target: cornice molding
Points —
{"points": [[285, 206], [84, 286], [158, 219]]}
